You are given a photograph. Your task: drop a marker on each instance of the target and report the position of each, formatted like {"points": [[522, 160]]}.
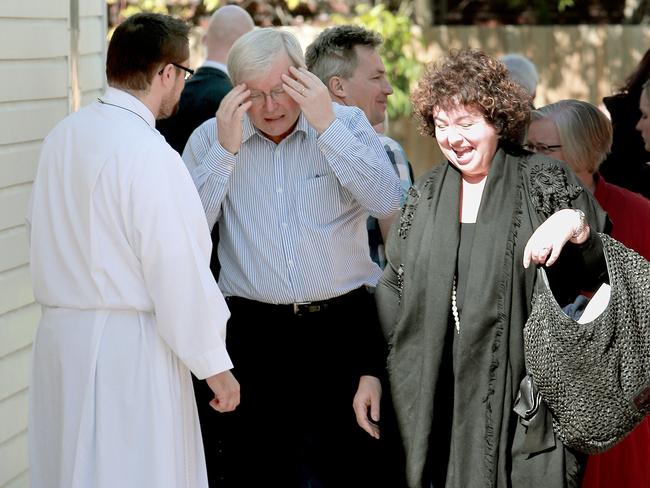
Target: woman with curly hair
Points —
{"points": [[458, 286]]}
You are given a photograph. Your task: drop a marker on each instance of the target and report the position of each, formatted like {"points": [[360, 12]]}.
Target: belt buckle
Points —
{"points": [[302, 308], [297, 307]]}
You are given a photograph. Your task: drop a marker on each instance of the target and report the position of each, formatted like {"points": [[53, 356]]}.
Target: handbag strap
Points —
{"points": [[541, 282]]}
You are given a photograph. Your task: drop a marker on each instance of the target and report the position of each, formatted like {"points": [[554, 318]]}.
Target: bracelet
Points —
{"points": [[581, 224]]}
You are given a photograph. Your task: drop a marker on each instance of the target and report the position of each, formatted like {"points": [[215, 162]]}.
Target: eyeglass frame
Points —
{"points": [[189, 72], [541, 148], [257, 96]]}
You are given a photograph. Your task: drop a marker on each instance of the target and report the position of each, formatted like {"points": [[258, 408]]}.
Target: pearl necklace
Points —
{"points": [[454, 306]]}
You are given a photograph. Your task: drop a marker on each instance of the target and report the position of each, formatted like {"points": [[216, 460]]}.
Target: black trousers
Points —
{"points": [[295, 426]]}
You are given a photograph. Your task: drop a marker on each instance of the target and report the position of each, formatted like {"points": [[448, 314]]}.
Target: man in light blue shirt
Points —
{"points": [[290, 178], [346, 60]]}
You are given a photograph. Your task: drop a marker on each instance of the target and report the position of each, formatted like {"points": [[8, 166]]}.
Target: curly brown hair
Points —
{"points": [[473, 79]]}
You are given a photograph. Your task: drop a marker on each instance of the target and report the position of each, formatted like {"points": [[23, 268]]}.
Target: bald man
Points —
{"points": [[203, 92]]}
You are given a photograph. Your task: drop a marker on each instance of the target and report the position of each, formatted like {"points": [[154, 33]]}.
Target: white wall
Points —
{"points": [[35, 93]]}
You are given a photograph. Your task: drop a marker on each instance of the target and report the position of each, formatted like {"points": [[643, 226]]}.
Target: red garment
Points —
{"points": [[627, 464], [629, 213]]}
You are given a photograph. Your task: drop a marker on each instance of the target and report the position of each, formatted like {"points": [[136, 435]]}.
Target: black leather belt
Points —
{"points": [[300, 308]]}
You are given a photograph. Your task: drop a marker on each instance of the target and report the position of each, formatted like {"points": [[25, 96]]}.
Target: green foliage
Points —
{"points": [[181, 9], [211, 5], [398, 50], [545, 12], [292, 4], [563, 4], [158, 6]]}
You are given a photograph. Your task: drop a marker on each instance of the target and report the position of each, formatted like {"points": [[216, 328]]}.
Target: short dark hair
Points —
{"points": [[140, 45], [332, 53], [471, 78]]}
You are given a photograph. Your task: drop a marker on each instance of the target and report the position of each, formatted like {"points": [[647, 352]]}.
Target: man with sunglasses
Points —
{"points": [[120, 264], [290, 178]]}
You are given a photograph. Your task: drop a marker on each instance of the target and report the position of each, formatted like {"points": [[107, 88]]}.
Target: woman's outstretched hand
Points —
{"points": [[546, 243]]}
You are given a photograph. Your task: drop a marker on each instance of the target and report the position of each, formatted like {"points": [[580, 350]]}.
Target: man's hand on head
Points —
{"points": [[308, 91], [230, 116]]}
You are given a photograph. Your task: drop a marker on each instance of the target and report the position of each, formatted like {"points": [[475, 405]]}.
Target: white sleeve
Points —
{"points": [[173, 244]]}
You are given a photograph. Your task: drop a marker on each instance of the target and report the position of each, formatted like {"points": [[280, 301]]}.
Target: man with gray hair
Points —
{"points": [[289, 178], [346, 60]]}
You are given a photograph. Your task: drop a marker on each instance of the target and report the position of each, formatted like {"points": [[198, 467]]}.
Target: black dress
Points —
{"points": [[440, 440]]}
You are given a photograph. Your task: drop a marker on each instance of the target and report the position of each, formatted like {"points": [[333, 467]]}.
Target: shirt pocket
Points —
{"points": [[320, 199]]}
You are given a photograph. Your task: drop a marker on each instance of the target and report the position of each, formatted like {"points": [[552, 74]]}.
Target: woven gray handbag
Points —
{"points": [[594, 377]]}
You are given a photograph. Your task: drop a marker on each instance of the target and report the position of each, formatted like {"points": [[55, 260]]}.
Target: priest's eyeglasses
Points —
{"points": [[541, 147], [189, 72]]}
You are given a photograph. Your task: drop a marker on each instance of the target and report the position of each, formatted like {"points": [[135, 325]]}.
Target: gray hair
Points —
{"points": [[333, 52], [585, 132], [255, 52], [522, 71]]}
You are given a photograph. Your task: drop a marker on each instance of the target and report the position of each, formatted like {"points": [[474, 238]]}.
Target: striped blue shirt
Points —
{"points": [[402, 167], [292, 216]]}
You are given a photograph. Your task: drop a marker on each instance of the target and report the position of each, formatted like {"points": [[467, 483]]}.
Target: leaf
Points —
{"points": [[564, 4]]}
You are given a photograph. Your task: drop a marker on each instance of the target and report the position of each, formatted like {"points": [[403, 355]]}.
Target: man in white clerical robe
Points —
{"points": [[120, 254]]}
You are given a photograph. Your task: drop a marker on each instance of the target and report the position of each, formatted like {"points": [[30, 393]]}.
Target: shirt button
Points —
{"points": [[279, 190], [285, 225], [290, 262]]}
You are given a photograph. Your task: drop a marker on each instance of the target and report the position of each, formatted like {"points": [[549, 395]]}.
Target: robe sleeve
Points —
{"points": [[171, 238]]}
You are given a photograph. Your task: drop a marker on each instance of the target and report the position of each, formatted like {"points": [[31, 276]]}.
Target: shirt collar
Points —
{"points": [[208, 63], [303, 127], [125, 100]]}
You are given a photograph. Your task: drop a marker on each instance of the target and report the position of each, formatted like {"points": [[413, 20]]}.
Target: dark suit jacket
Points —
{"points": [[199, 102]]}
